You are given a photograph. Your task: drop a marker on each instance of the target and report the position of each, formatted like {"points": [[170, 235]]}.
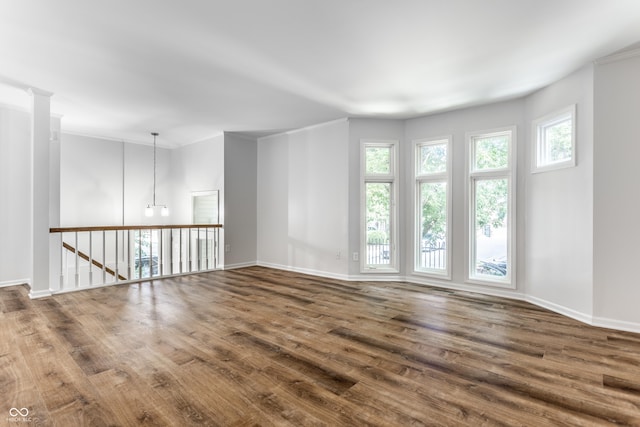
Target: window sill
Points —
{"points": [[379, 270], [432, 274], [491, 283]]}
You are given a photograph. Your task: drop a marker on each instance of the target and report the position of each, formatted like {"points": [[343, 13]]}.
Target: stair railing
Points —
{"points": [[121, 254]]}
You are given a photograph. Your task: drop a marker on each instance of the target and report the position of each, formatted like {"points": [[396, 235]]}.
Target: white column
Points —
{"points": [[40, 133], [55, 240]]}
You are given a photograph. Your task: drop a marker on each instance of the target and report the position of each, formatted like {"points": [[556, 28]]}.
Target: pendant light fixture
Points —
{"points": [[150, 209]]}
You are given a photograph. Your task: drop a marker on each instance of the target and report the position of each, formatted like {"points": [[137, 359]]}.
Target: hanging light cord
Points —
{"points": [[154, 167]]}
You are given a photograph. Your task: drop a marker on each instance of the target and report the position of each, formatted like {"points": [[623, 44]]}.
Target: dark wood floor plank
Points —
{"points": [[259, 346], [18, 387], [60, 384], [133, 402]]}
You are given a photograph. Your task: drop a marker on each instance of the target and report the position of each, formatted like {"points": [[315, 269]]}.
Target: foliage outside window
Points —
{"points": [[378, 245], [554, 140], [378, 160], [432, 177], [491, 207]]}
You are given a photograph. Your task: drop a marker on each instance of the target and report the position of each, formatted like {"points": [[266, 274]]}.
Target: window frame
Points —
{"points": [[473, 176], [435, 177], [538, 145], [392, 179]]}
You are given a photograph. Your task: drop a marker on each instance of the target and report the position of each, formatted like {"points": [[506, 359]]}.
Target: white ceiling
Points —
{"points": [[194, 68]]}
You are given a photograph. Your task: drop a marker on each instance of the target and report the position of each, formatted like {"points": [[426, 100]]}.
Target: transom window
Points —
{"points": [[378, 160], [554, 140]]}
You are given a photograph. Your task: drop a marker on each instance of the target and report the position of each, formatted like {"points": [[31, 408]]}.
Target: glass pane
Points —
{"points": [[378, 160], [491, 228], [433, 226], [491, 152], [378, 202], [145, 253], [558, 142], [432, 158]]}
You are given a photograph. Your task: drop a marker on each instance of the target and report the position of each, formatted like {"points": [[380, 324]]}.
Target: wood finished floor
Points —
{"points": [[265, 347]]}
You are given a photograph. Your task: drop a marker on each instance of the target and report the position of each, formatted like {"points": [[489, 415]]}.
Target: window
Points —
{"points": [[205, 207], [491, 210], [433, 206], [146, 246], [554, 140], [379, 206]]}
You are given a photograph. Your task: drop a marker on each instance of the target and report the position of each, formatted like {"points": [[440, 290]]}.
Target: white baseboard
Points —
{"points": [[620, 325], [386, 277], [15, 283], [560, 309], [308, 271], [40, 294], [238, 265]]}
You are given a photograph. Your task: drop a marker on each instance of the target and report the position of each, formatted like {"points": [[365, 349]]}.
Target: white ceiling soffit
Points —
{"points": [[189, 70]]}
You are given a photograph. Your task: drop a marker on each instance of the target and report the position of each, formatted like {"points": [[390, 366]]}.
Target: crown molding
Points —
{"points": [[32, 90], [619, 56], [114, 139], [306, 128]]}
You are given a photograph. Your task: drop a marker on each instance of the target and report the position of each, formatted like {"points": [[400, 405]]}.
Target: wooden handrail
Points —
{"points": [[94, 262], [130, 227]]}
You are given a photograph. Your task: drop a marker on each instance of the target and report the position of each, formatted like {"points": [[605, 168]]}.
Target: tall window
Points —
{"points": [[491, 175], [433, 202], [379, 206]]}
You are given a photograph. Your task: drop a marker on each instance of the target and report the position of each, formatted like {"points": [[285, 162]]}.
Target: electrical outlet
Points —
{"points": [[339, 255], [355, 256], [227, 248]]}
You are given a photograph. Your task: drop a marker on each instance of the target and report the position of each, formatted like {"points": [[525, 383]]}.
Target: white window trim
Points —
{"points": [[393, 179], [434, 177], [548, 120], [509, 172]]}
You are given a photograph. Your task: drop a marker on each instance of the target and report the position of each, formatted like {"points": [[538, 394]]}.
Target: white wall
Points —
{"points": [[241, 198], [458, 123], [106, 182], [273, 201], [303, 180], [15, 179], [195, 167], [138, 183], [559, 211], [90, 181], [616, 195]]}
